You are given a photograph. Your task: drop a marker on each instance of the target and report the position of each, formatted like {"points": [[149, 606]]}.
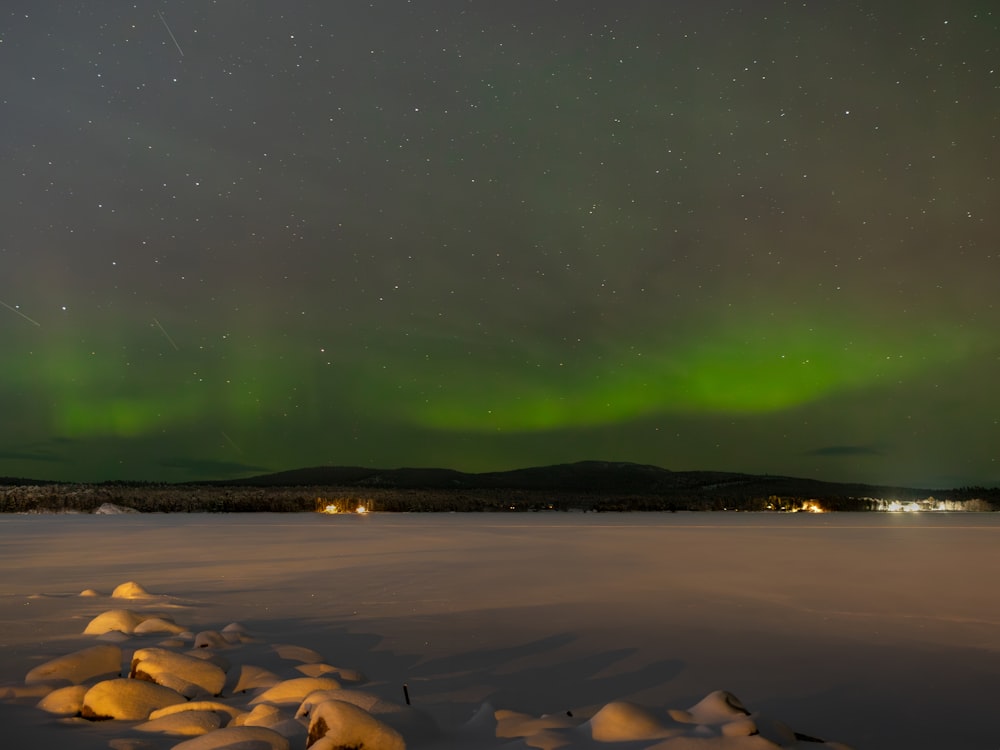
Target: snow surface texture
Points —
{"points": [[186, 687], [537, 631]]}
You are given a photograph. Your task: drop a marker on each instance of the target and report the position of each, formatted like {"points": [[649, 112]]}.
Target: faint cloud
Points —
{"points": [[845, 450]]}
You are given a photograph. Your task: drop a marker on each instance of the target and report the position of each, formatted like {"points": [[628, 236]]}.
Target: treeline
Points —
{"points": [[153, 498], [163, 498]]}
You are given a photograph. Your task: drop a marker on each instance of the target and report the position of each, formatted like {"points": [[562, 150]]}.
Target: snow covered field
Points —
{"points": [[873, 630]]}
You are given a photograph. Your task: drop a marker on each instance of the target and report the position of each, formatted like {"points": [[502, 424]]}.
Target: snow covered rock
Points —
{"points": [[126, 699], [183, 723], [408, 721], [336, 724], [719, 707], [225, 711], [130, 590], [262, 715], [272, 717], [235, 632], [122, 620], [189, 676], [210, 639], [66, 701], [97, 661], [364, 700], [237, 738], [622, 721], [295, 690], [158, 625], [252, 677]]}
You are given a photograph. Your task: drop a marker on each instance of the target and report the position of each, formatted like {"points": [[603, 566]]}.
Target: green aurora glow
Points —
{"points": [[755, 370], [458, 385], [754, 238]]}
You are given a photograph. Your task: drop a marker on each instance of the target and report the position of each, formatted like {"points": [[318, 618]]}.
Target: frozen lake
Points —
{"points": [[878, 630]]}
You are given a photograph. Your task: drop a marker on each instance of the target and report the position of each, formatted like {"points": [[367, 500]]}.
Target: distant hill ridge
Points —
{"points": [[586, 485], [583, 476]]}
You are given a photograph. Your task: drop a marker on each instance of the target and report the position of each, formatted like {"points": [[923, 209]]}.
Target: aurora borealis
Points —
{"points": [[245, 237]]}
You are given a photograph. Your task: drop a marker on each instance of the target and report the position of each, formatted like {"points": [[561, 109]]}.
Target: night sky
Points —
{"points": [[249, 236]]}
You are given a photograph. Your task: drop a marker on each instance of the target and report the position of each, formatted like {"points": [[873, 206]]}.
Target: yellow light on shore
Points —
{"points": [[334, 508]]}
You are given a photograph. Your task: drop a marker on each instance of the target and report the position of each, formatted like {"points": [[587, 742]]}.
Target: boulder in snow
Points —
{"points": [[623, 721], [336, 724], [189, 676], [295, 690], [66, 701], [97, 661], [122, 620], [130, 590], [237, 738], [130, 700]]}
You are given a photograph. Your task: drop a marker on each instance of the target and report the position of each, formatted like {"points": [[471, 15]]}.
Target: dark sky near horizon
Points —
{"points": [[251, 236]]}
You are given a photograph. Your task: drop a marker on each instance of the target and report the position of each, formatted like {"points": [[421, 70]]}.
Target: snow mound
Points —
{"points": [[130, 590], [158, 625], [183, 723], [235, 632], [262, 715], [237, 738], [411, 723], [366, 701], [295, 690], [516, 724], [252, 677], [78, 667], [122, 620], [211, 639], [228, 712], [66, 701], [189, 676], [336, 724], [719, 707], [130, 700], [272, 717], [622, 721]]}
